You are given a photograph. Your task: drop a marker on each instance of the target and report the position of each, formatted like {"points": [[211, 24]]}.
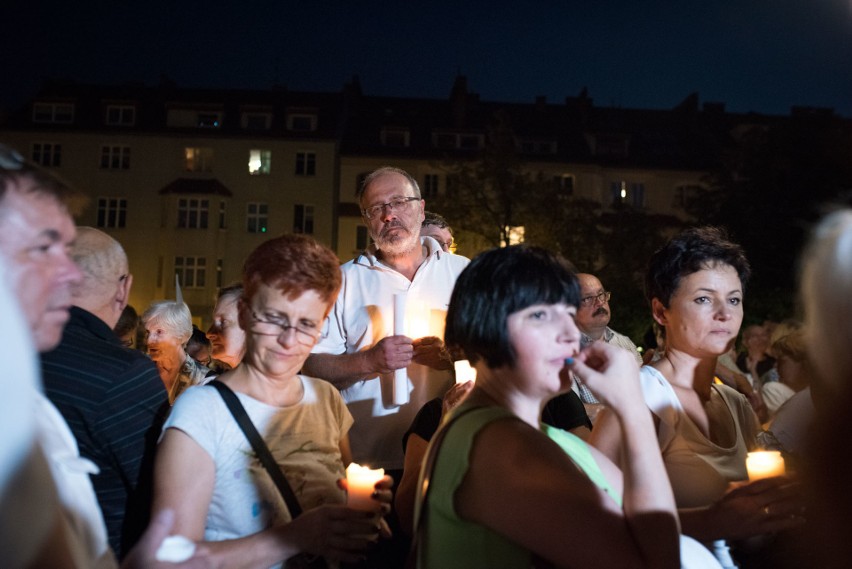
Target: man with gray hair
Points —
{"points": [[593, 316], [111, 396]]}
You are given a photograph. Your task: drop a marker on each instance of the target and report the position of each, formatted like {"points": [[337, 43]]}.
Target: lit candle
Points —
{"points": [[361, 483], [464, 371], [764, 464]]}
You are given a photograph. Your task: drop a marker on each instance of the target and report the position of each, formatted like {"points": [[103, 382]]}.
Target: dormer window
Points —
{"points": [[301, 122], [209, 120], [120, 115], [55, 113], [256, 121], [395, 137]]}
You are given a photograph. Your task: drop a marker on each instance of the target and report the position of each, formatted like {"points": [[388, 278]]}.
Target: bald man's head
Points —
{"points": [[105, 287]]}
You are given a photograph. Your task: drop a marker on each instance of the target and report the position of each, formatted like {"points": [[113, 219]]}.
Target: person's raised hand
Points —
{"points": [[391, 353]]}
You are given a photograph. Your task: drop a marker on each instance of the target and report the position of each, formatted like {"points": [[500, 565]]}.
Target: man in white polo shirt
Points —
{"points": [[360, 352]]}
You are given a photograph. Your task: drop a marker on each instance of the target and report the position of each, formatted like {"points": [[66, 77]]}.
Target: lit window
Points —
{"points": [[112, 213], [219, 266], [257, 217], [120, 115], [198, 159], [306, 164], [115, 157], [221, 215], [192, 213], [191, 271], [303, 219], [47, 154], [259, 161], [515, 234]]}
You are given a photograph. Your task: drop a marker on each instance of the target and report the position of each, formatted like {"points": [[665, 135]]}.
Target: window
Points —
{"points": [[115, 157], [191, 271], [47, 154], [685, 195], [57, 113], [430, 185], [120, 115], [256, 121], [537, 146], [610, 145], [515, 234], [624, 193], [464, 141], [209, 120], [222, 215], [637, 191], [192, 213], [259, 162], [303, 219], [219, 266], [470, 141], [301, 122], [361, 236], [112, 213], [618, 192], [257, 217], [563, 184], [395, 137], [306, 164], [198, 159]]}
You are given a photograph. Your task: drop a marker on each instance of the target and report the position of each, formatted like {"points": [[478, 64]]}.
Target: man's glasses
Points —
{"points": [[305, 335], [379, 209], [595, 298]]}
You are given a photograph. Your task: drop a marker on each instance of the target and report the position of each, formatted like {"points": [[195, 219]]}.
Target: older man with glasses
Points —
{"points": [[593, 316], [362, 350]]}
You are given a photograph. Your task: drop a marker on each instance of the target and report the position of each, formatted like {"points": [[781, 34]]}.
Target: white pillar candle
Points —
{"points": [[764, 464], [464, 371], [361, 483], [400, 376]]}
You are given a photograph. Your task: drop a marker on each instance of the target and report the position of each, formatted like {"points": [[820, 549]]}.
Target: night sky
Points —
{"points": [[753, 55]]}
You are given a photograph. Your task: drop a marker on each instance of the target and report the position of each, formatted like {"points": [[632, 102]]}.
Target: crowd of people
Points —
{"points": [[133, 439]]}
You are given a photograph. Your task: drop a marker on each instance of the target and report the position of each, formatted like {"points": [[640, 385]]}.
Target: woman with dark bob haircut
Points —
{"points": [[503, 490], [206, 470], [695, 286]]}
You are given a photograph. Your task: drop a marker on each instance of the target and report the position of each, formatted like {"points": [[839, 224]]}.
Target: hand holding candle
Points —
{"points": [[764, 464], [361, 483]]}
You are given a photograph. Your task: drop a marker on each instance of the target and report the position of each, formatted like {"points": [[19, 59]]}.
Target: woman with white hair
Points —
{"points": [[168, 327]]}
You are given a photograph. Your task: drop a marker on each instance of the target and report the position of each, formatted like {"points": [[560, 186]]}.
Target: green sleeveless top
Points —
{"points": [[448, 541]]}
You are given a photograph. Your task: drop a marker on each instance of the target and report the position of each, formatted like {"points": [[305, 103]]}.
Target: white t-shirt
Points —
{"points": [[363, 315], [304, 439]]}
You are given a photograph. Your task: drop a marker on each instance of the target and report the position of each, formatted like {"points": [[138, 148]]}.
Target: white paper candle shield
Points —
{"points": [[361, 482], [400, 376], [764, 464]]}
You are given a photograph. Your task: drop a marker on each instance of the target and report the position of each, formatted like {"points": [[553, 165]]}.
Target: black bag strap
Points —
{"points": [[260, 448]]}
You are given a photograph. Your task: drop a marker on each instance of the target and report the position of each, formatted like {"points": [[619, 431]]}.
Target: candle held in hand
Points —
{"points": [[361, 482], [764, 464]]}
